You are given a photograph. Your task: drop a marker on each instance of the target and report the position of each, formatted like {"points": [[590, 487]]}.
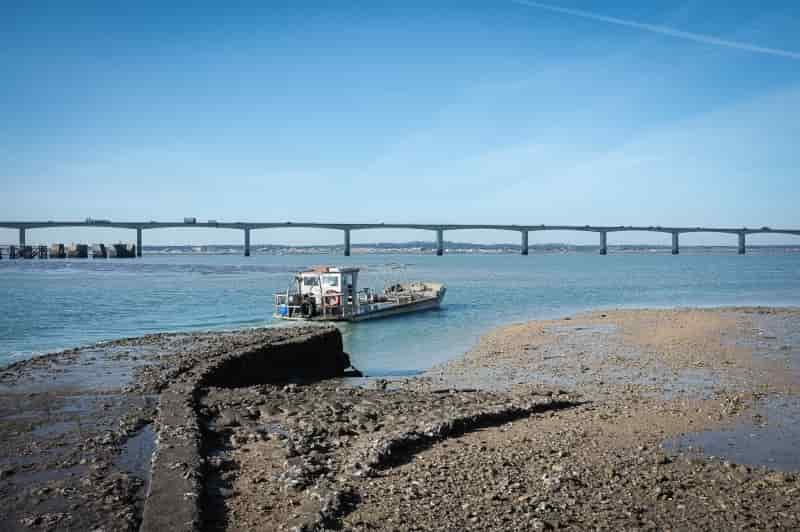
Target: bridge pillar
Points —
{"points": [[138, 241], [741, 243], [246, 241], [347, 242], [21, 237], [524, 243], [675, 249], [603, 242], [439, 242]]}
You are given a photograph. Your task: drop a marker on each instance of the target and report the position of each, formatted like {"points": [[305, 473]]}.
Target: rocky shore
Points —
{"points": [[588, 422], [81, 430]]}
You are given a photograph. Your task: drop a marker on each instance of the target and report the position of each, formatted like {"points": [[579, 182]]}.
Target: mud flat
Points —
{"points": [[81, 430], [565, 424], [655, 387], [597, 421]]}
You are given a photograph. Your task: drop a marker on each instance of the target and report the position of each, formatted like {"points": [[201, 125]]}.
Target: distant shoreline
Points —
{"points": [[425, 248], [450, 248]]}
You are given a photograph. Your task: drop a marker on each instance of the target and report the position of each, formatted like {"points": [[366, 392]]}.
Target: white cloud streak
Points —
{"points": [[663, 30]]}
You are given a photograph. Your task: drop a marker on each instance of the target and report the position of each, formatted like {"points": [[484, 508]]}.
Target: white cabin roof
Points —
{"points": [[328, 269]]}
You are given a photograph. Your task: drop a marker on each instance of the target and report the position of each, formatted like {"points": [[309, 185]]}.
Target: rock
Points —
{"points": [[269, 411], [662, 492], [538, 525], [228, 418], [662, 459], [779, 477], [31, 521]]}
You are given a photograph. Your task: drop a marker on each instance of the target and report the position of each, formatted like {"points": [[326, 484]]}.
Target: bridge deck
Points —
{"points": [[364, 226], [439, 229]]}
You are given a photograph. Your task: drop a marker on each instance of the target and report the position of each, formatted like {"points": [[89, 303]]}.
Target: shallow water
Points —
{"points": [[49, 305], [768, 436], [135, 457]]}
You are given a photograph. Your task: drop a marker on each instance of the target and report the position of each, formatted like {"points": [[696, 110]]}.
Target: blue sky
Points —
{"points": [[462, 112]]}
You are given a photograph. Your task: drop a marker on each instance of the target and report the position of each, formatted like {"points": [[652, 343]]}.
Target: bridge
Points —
{"points": [[438, 229]]}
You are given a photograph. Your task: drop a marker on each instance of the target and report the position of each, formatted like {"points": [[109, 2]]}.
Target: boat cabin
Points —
{"points": [[323, 293]]}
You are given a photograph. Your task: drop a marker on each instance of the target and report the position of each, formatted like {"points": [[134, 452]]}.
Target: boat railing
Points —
{"points": [[337, 305], [284, 308]]}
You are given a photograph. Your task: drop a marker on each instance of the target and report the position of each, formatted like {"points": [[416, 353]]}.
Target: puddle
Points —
{"points": [[25, 416], [94, 369], [47, 475], [81, 404], [137, 454], [30, 462], [55, 428], [772, 338], [769, 436], [136, 459], [690, 382], [49, 417]]}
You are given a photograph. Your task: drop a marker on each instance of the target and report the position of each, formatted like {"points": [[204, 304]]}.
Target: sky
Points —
{"points": [[491, 111]]}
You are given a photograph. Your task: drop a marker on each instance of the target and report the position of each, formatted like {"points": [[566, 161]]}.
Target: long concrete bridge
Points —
{"points": [[438, 229]]}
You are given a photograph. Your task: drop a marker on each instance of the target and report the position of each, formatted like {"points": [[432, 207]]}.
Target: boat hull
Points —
{"points": [[419, 305], [395, 310]]}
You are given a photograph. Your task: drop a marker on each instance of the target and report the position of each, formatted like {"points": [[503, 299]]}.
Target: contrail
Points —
{"points": [[664, 30]]}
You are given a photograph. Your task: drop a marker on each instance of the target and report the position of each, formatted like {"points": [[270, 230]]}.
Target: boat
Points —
{"points": [[332, 294]]}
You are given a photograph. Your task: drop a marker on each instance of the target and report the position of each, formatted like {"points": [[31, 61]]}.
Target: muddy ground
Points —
{"points": [[617, 420], [76, 427]]}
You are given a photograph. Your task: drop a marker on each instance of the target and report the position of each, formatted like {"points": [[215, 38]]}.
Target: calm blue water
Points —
{"points": [[49, 305]]}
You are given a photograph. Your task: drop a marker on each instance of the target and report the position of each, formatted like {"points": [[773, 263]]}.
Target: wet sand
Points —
{"points": [[689, 352], [588, 422], [654, 385]]}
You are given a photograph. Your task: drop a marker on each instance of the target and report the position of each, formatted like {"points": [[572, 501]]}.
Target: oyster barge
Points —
{"points": [[332, 294]]}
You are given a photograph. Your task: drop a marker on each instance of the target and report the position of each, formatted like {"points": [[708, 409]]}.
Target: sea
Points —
{"points": [[49, 305]]}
